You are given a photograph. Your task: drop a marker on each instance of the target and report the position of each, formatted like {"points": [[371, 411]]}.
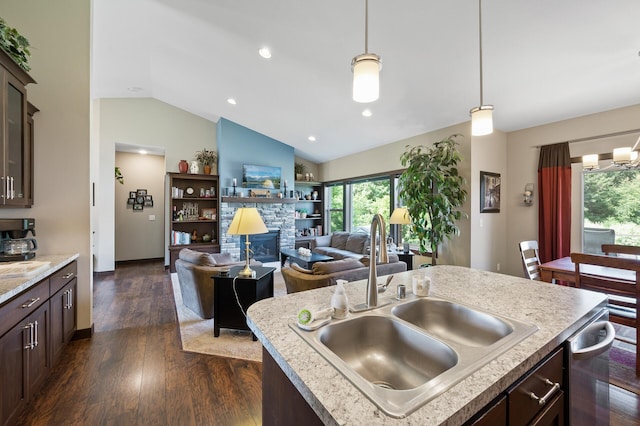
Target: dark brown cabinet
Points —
{"points": [[16, 135], [63, 284], [194, 214], [24, 360]]}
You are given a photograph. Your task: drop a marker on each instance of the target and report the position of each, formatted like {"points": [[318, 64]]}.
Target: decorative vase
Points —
{"points": [[183, 166], [207, 169], [195, 168]]}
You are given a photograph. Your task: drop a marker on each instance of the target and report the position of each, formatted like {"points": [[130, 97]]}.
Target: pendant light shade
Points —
{"points": [[482, 120], [366, 69], [482, 116], [366, 80]]}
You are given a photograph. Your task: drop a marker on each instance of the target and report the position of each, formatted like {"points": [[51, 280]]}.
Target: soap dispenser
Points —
{"points": [[339, 301]]}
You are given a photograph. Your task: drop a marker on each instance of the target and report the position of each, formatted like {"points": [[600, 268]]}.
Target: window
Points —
{"points": [[611, 205], [369, 197], [336, 207]]}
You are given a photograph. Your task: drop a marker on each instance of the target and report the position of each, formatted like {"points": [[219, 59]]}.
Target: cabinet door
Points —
{"points": [[13, 372], [63, 318], [17, 147]]}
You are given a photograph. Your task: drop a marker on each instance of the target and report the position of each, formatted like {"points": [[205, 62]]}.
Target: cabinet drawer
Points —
{"points": [[540, 382], [63, 276], [22, 305]]}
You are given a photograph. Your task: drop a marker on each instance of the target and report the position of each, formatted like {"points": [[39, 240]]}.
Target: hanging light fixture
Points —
{"points": [[481, 116], [366, 69]]}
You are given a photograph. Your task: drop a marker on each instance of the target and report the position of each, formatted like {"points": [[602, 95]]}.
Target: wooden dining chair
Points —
{"points": [[624, 296], [530, 259], [621, 250]]}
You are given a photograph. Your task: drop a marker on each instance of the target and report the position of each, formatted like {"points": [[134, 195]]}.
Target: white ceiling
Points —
{"points": [[544, 61]]}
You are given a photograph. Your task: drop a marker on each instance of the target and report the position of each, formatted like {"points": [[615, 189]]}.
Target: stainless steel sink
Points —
{"points": [[452, 321], [387, 352], [405, 354]]}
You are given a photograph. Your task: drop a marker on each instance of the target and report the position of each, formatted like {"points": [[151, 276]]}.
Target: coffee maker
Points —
{"points": [[15, 243]]}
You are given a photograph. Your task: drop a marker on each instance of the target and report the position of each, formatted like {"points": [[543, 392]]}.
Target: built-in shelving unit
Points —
{"points": [[309, 214], [194, 211]]}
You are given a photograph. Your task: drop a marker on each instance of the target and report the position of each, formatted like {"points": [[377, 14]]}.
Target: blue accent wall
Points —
{"points": [[238, 145]]}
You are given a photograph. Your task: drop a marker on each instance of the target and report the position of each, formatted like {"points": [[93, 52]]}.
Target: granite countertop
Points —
{"points": [[12, 286], [557, 311]]}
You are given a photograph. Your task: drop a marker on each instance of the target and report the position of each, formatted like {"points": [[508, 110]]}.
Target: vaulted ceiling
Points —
{"points": [[543, 61]]}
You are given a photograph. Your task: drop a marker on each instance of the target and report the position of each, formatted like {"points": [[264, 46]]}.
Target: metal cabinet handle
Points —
{"points": [[65, 299], [13, 189], [29, 344], [70, 298], [68, 275], [35, 333], [549, 394], [30, 304]]}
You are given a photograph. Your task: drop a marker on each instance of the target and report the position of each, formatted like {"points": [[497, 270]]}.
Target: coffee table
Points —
{"points": [[304, 261], [226, 312]]}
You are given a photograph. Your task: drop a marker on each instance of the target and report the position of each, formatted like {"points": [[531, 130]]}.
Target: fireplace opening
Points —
{"points": [[265, 247]]}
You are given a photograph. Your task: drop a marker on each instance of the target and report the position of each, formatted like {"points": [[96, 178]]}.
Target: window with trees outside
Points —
{"points": [[611, 205]]}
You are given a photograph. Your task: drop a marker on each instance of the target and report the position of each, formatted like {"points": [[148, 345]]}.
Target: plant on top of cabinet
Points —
{"points": [[15, 44], [207, 158], [433, 192]]}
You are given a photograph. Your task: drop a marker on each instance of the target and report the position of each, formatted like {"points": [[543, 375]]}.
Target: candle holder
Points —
{"points": [[285, 190], [235, 194]]}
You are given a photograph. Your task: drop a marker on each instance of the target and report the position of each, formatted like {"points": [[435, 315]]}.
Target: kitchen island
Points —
{"points": [[557, 311]]}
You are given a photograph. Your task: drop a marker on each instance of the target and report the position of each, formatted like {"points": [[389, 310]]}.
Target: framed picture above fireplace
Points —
{"points": [[264, 177]]}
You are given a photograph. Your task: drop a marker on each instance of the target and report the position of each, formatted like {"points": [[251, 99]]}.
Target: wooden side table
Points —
{"points": [[226, 312]]}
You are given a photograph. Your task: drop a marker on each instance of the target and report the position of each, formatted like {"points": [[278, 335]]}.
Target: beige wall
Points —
{"points": [[140, 234], [142, 122], [522, 156], [59, 34]]}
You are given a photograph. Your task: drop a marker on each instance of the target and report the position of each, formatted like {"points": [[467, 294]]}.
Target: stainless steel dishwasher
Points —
{"points": [[588, 372]]}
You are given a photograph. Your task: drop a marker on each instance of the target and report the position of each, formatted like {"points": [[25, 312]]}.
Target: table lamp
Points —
{"points": [[247, 221], [400, 216]]}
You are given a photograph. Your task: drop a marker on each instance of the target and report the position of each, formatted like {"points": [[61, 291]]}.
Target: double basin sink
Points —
{"points": [[403, 355]]}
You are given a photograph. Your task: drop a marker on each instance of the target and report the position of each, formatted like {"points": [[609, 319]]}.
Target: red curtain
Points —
{"points": [[554, 211]]}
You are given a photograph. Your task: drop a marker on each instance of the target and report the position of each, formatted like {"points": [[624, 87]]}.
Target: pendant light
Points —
{"points": [[481, 116], [366, 69]]}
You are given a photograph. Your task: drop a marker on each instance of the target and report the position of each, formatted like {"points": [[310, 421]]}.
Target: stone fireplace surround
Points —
{"points": [[276, 214]]}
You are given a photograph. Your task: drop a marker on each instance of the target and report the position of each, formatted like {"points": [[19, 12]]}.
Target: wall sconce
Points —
{"points": [[528, 194]]}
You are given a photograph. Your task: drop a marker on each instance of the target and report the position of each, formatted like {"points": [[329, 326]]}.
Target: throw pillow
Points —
{"points": [[197, 257], [355, 242], [323, 268], [222, 258], [339, 239], [299, 268]]}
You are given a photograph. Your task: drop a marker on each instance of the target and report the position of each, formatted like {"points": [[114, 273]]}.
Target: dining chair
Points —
{"points": [[619, 249], [624, 296], [530, 259]]}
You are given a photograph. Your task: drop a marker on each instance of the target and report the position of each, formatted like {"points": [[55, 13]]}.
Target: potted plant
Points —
{"points": [[433, 191], [299, 169], [15, 44], [207, 158]]}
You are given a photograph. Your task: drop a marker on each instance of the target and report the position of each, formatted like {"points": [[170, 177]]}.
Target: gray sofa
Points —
{"points": [[194, 270], [323, 274], [342, 245]]}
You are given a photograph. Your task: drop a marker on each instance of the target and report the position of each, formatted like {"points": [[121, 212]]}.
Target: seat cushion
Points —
{"points": [[339, 240], [324, 268]]}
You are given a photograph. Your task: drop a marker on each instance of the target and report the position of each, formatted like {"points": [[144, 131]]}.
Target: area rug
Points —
{"points": [[622, 372], [197, 334]]}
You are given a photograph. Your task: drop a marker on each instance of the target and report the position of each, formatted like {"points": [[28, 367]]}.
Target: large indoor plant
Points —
{"points": [[433, 191]]}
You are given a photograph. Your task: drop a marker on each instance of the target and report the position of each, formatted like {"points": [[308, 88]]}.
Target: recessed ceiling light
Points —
{"points": [[232, 101], [265, 52], [143, 151], [312, 138], [367, 113]]}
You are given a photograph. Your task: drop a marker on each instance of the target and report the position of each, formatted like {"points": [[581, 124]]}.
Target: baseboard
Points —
{"points": [[84, 333]]}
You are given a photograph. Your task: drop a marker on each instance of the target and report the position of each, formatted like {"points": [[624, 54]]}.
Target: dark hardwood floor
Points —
{"points": [[132, 371]]}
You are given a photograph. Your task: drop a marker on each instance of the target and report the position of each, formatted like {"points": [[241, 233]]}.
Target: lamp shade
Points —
{"points": [[590, 161], [482, 120], [366, 81], [400, 216], [622, 155], [247, 221]]}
